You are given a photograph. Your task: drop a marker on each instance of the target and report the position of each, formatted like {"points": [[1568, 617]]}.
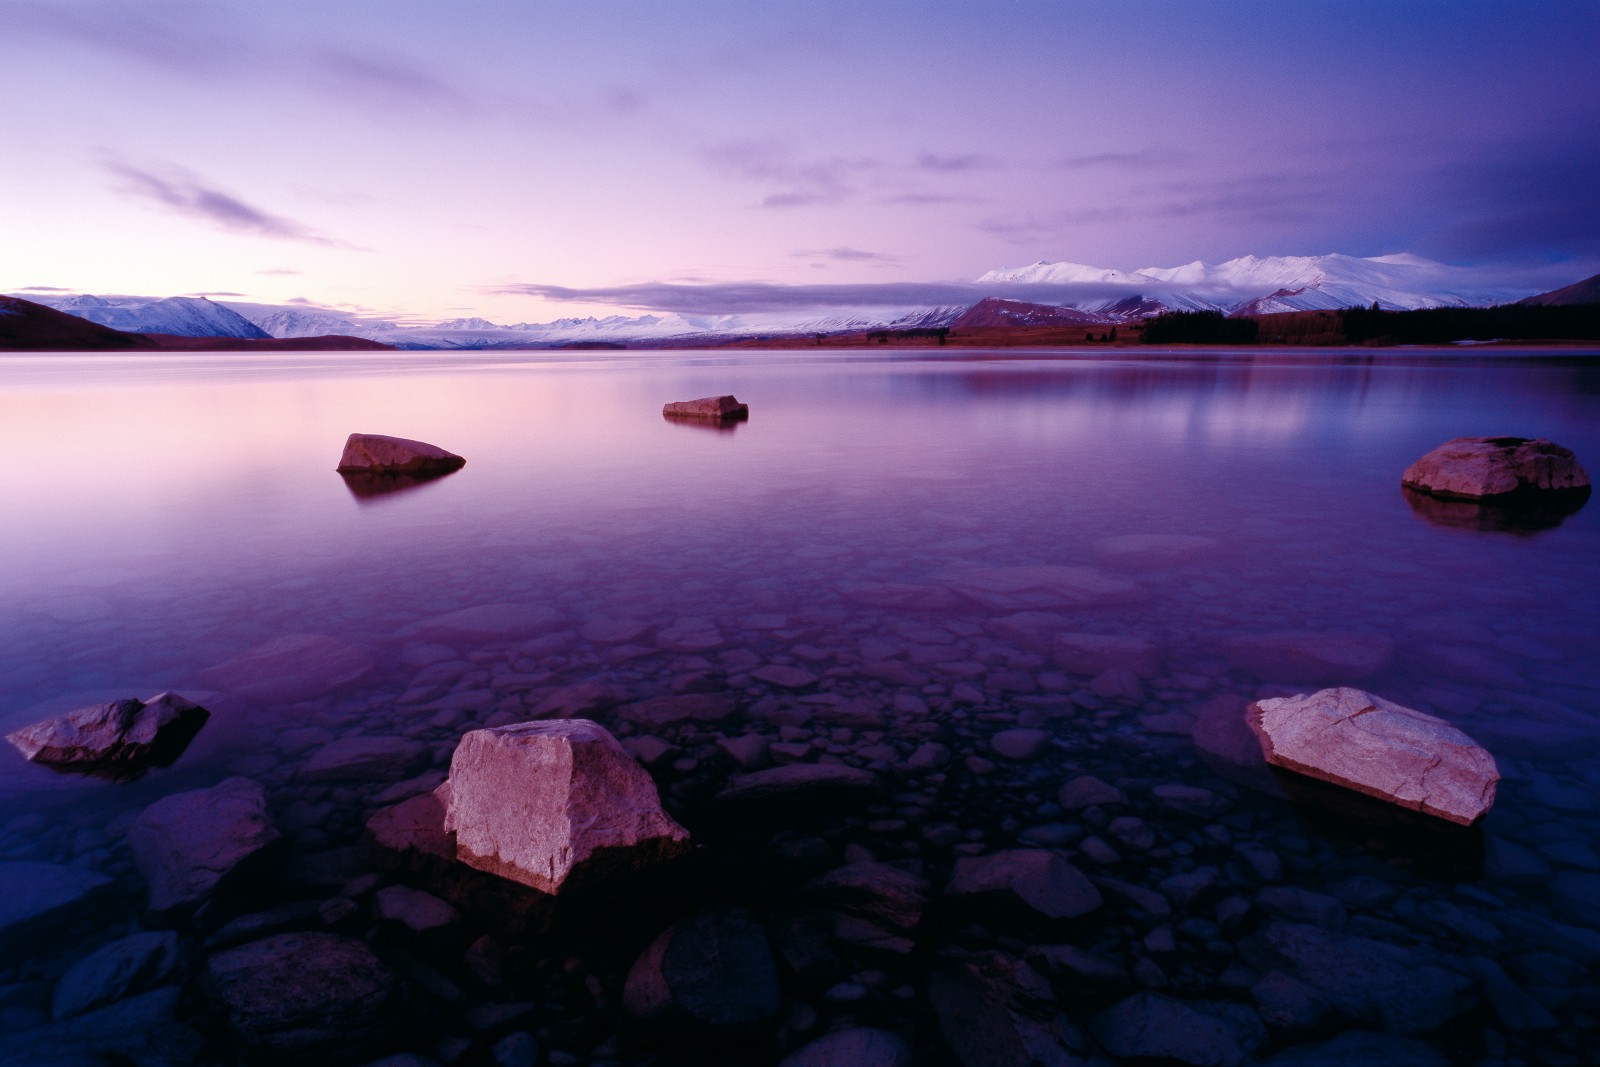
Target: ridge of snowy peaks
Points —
{"points": [[185, 316], [1266, 284]]}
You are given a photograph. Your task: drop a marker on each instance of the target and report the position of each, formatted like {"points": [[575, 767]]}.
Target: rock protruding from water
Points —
{"points": [[1472, 468], [373, 453], [1362, 742], [116, 740], [711, 973], [305, 994], [718, 408], [186, 844], [537, 801]]}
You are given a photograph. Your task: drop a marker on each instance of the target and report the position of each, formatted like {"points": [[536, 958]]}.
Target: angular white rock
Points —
{"points": [[1362, 742], [533, 801]]}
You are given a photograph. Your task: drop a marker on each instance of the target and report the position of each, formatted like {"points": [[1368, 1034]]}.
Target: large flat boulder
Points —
{"points": [[1362, 742], [186, 844], [373, 453], [538, 801], [120, 739], [1472, 468], [1315, 657], [720, 408]]}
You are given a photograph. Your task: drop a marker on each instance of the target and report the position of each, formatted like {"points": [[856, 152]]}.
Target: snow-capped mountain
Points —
{"points": [[1260, 285], [186, 316]]}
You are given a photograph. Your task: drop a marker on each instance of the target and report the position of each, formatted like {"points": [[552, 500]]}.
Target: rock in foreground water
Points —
{"points": [[1351, 738], [305, 994], [535, 801], [187, 843], [372, 453], [1471, 468], [708, 407], [119, 739], [713, 972], [35, 898]]}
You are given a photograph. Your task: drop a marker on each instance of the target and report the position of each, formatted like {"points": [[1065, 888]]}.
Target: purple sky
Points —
{"points": [[524, 161]]}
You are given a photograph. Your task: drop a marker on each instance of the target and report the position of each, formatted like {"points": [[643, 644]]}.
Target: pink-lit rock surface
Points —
{"points": [[1470, 468], [708, 407], [535, 801], [373, 453], [121, 734], [1362, 742]]}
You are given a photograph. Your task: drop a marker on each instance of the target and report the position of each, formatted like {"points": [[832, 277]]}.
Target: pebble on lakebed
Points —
{"points": [[116, 740]]}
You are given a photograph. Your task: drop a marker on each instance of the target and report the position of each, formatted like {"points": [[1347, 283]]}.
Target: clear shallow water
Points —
{"points": [[872, 523]]}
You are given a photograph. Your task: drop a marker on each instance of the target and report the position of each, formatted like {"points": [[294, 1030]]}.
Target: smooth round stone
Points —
{"points": [[1020, 744]]}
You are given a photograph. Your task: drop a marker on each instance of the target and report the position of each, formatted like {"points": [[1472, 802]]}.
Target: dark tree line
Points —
{"points": [[1513, 322], [1199, 328]]}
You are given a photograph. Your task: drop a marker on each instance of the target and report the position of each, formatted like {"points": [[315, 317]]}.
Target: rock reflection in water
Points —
{"points": [[1520, 514], [369, 488], [727, 425]]}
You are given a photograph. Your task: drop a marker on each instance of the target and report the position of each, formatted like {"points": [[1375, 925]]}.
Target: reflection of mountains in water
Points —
{"points": [[1523, 514], [368, 487]]}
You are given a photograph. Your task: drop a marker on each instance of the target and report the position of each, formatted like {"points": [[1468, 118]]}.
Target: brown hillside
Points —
{"points": [[1584, 292], [993, 312], [29, 327]]}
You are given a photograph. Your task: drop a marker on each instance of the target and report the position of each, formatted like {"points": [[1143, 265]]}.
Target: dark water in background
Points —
{"points": [[163, 515]]}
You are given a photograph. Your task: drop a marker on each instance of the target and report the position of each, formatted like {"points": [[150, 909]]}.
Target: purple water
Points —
{"points": [[870, 523]]}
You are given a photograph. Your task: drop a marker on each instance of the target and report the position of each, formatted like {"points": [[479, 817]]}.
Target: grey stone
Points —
{"points": [[711, 973], [129, 965], [714, 408], [996, 1011], [367, 759], [1037, 879], [1361, 1047], [305, 994], [38, 898], [1152, 1025], [1086, 791], [1475, 468], [1021, 744], [540, 801], [117, 740], [1362, 742], [186, 844], [420, 912], [856, 1046], [801, 783], [372, 453], [292, 667]]}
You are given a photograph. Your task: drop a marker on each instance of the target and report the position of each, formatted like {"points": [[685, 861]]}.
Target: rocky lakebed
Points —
{"points": [[1004, 804]]}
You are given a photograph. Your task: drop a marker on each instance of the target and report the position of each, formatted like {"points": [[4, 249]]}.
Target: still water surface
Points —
{"points": [[164, 515]]}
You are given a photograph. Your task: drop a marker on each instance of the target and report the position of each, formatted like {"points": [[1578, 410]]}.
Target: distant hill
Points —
{"points": [[26, 326], [29, 327], [994, 311], [185, 316], [1584, 292]]}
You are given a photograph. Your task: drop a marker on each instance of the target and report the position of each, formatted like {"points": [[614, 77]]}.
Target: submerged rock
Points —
{"points": [[1207, 1034], [856, 1046], [367, 453], [36, 898], [186, 844], [720, 408], [1472, 468], [712, 972], [536, 801], [130, 965], [1039, 880], [292, 667], [802, 784], [1363, 742], [116, 740], [305, 994]]}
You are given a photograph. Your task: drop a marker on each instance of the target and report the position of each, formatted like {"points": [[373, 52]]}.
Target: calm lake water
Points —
{"points": [[880, 523]]}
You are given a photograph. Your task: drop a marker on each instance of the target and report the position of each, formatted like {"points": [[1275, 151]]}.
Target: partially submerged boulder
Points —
{"points": [[1474, 468], [712, 973], [116, 740], [1362, 742], [186, 844], [537, 801], [720, 408], [373, 453]]}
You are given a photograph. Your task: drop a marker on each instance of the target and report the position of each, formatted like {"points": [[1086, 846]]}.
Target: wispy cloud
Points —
{"points": [[388, 81], [801, 183], [954, 164], [158, 32], [1148, 157], [280, 270], [45, 289], [845, 255], [183, 194]]}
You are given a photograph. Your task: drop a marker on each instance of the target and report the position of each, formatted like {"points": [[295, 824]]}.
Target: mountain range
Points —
{"points": [[1056, 293]]}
